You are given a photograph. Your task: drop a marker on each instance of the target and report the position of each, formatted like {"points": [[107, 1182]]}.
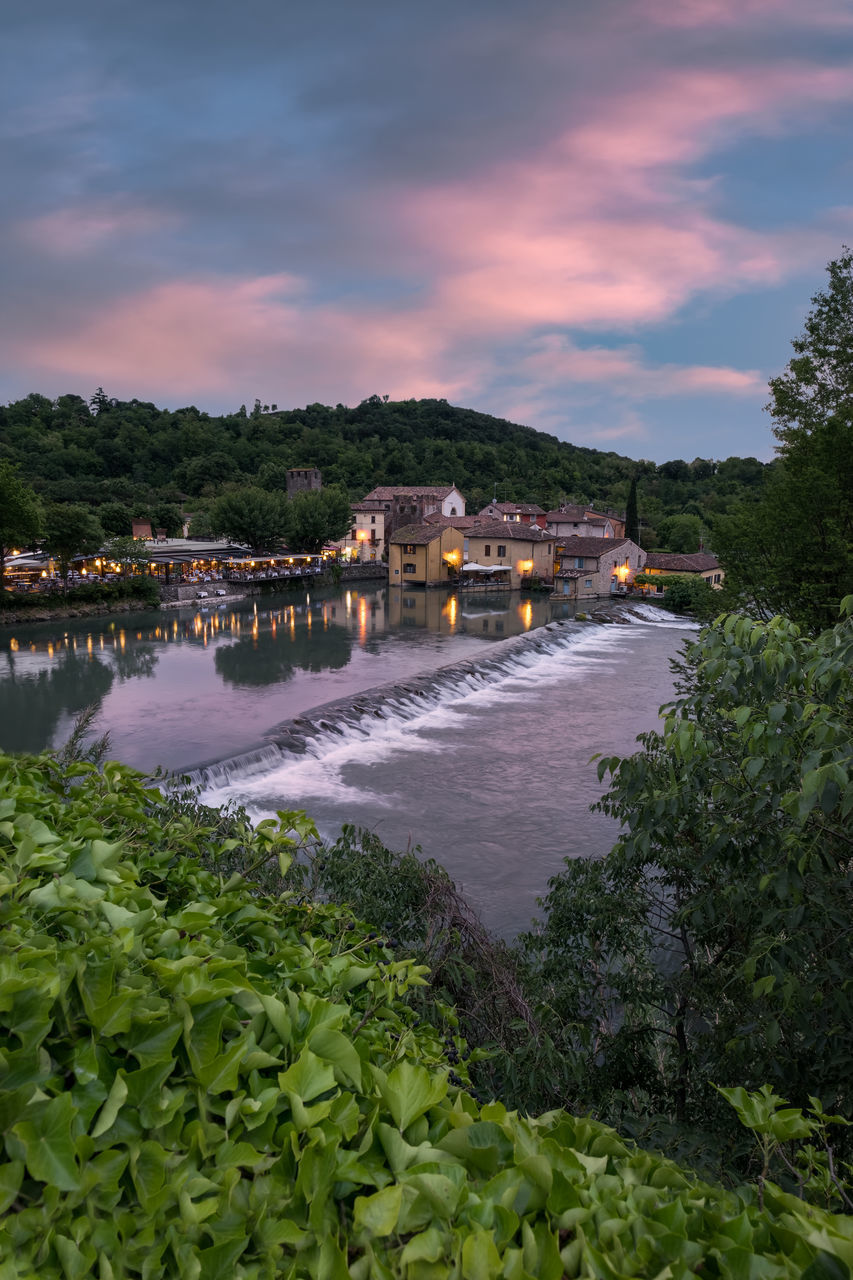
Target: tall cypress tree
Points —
{"points": [[632, 515]]}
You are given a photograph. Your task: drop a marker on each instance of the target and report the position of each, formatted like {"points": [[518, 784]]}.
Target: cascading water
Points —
{"points": [[484, 763]]}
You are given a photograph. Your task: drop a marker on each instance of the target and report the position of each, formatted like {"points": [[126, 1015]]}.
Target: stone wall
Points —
{"points": [[369, 569]]}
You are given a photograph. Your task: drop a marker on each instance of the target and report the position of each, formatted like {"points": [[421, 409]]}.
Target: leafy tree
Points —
{"points": [[70, 530], [680, 533], [792, 551], [129, 552], [632, 514], [818, 382], [115, 519], [250, 516], [712, 944], [100, 401], [20, 514], [315, 517], [168, 516]]}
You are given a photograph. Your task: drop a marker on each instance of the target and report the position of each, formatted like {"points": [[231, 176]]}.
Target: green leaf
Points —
{"points": [[378, 1214], [46, 1138], [409, 1091], [113, 1104]]}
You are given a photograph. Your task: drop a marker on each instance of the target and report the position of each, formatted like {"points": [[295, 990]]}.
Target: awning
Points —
{"points": [[476, 568]]}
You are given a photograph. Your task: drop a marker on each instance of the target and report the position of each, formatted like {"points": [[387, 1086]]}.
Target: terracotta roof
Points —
{"points": [[386, 492], [419, 534], [574, 515], [455, 522], [376, 505], [677, 562], [576, 546], [509, 529], [513, 508]]}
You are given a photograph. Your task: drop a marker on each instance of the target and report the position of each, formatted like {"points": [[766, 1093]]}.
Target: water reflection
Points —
{"points": [[33, 702], [270, 656], [177, 687]]}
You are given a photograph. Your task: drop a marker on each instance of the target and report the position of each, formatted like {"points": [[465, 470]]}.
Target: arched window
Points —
{"points": [[453, 511]]}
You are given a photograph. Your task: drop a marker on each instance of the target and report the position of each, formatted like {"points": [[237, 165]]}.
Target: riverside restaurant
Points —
{"points": [[170, 561]]}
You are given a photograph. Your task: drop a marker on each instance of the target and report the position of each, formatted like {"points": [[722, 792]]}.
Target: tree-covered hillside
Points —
{"points": [[135, 459]]}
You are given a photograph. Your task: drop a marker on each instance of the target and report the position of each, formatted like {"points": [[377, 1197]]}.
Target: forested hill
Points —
{"points": [[134, 454]]}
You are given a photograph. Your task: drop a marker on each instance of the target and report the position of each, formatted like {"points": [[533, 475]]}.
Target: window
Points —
{"points": [[453, 511], [487, 550], [409, 549], [373, 519], [409, 602], [578, 562], [588, 582], [501, 550], [409, 567], [716, 578]]}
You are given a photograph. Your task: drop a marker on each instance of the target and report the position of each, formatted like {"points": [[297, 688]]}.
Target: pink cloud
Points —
{"points": [[688, 14], [625, 373], [81, 229], [201, 337]]}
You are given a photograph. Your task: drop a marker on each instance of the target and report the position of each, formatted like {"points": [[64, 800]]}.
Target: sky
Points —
{"points": [[604, 219]]}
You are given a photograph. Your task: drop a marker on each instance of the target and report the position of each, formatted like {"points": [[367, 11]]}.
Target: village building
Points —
{"points": [[515, 513], [410, 504], [701, 563], [366, 537], [511, 552], [303, 479], [583, 522], [595, 566], [426, 555]]}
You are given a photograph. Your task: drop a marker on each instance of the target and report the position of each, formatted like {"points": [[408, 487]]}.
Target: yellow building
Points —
{"points": [[424, 554], [525, 550]]}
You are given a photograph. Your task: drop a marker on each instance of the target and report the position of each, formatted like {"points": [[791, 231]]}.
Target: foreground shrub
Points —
{"points": [[199, 1081]]}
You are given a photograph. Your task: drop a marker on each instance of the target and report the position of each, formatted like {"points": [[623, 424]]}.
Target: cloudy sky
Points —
{"points": [[602, 218]]}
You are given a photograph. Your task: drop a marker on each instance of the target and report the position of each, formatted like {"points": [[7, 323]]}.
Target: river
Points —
{"points": [[484, 762]]}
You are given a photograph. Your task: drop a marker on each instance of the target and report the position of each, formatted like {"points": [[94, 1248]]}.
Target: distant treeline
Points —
{"points": [[130, 458]]}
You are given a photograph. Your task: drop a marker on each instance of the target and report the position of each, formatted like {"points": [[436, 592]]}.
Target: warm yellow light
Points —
{"points": [[82, 571], [44, 573]]}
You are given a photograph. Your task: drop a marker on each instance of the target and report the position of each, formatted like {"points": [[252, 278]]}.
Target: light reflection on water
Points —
{"points": [[177, 687]]}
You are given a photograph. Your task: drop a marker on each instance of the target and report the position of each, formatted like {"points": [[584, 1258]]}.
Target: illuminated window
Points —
{"points": [[409, 549]]}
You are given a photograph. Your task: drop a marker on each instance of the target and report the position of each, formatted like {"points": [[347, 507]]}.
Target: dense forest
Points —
{"points": [[130, 458]]}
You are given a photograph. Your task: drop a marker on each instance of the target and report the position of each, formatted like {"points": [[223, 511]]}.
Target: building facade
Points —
{"points": [[300, 479], [593, 566], [525, 550], [424, 555]]}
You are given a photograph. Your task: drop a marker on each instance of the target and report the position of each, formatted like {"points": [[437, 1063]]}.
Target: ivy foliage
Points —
{"points": [[200, 1081]]}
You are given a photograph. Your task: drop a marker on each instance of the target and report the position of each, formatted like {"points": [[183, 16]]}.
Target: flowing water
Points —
{"points": [[463, 725]]}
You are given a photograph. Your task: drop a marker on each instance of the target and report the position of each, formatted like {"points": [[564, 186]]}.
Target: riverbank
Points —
{"points": [[45, 613]]}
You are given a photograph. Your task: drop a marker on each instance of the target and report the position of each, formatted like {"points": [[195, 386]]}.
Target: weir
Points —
{"points": [[355, 717]]}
